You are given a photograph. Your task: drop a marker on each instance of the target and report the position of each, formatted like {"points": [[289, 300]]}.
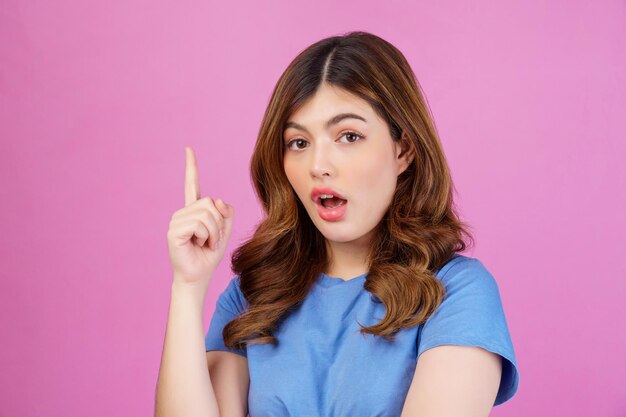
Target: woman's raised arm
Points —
{"points": [[184, 385]]}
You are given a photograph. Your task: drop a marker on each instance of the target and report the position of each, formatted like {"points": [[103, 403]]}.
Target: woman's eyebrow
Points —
{"points": [[332, 121]]}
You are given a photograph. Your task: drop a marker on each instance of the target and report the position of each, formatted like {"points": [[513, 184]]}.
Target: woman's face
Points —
{"points": [[353, 156]]}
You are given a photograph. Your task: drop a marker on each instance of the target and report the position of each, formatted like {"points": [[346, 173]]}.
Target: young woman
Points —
{"points": [[350, 298]]}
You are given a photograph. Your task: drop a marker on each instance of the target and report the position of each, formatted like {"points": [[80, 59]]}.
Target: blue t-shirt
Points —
{"points": [[323, 366]]}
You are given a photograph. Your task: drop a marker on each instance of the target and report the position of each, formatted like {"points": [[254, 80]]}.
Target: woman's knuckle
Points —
{"points": [[207, 216]]}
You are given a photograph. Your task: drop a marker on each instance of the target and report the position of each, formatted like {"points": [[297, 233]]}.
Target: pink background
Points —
{"points": [[98, 100]]}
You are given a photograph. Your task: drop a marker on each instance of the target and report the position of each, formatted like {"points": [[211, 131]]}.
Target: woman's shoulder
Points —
{"points": [[231, 297], [472, 314], [463, 270]]}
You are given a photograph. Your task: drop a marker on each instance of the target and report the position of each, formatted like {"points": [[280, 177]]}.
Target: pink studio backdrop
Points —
{"points": [[98, 100]]}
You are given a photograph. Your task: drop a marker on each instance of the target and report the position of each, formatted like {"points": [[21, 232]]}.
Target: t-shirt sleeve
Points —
{"points": [[229, 305], [472, 315]]}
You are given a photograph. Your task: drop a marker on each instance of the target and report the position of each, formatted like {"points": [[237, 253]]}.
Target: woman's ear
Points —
{"points": [[404, 153]]}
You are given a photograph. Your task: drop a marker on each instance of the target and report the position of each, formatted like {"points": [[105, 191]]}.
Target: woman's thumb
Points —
{"points": [[227, 211]]}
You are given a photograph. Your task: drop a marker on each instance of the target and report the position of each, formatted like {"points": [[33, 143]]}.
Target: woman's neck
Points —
{"points": [[348, 259]]}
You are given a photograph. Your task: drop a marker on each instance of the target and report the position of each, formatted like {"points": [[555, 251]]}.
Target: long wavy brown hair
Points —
{"points": [[419, 232]]}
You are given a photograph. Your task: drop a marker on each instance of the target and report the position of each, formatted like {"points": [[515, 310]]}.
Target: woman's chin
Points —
{"points": [[336, 236]]}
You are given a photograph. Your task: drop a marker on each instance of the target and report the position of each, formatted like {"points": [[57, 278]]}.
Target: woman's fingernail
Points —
{"points": [[221, 234]]}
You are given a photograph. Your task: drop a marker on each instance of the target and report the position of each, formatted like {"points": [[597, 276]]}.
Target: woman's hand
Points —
{"points": [[199, 232]]}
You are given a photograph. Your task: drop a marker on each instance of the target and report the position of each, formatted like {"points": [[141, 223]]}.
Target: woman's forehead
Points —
{"points": [[329, 106]]}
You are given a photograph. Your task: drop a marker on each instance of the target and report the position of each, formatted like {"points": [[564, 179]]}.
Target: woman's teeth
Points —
{"points": [[330, 201]]}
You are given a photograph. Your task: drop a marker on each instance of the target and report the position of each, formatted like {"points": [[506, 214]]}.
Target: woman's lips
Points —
{"points": [[331, 214], [317, 192]]}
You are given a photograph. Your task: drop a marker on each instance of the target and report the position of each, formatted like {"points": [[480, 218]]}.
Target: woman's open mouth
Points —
{"points": [[331, 209]]}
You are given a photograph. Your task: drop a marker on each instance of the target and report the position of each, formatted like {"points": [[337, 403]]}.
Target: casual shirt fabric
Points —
{"points": [[323, 366]]}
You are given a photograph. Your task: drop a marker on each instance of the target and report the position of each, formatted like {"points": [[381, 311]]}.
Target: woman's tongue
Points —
{"points": [[331, 203]]}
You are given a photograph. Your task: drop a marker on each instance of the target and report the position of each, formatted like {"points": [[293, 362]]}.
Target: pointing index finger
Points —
{"points": [[192, 184]]}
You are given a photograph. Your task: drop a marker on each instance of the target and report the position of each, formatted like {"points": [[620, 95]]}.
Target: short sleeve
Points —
{"points": [[472, 315], [229, 305]]}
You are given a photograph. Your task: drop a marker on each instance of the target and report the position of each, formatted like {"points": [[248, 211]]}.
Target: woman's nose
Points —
{"points": [[322, 161]]}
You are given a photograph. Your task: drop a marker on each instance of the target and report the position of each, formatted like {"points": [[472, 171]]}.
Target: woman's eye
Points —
{"points": [[353, 135], [296, 141], [299, 144]]}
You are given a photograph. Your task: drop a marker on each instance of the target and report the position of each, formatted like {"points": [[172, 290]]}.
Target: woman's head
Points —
{"points": [[356, 73], [396, 181]]}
